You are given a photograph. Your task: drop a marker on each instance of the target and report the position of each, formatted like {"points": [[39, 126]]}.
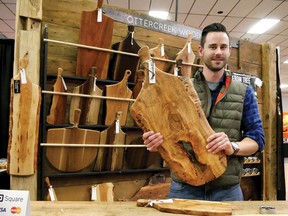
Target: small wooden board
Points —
{"points": [[191, 207], [119, 90], [159, 52], [90, 107], [98, 34], [25, 103], [72, 159], [57, 113]]}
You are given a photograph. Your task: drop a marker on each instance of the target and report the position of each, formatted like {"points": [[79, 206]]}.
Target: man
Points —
{"points": [[232, 112]]}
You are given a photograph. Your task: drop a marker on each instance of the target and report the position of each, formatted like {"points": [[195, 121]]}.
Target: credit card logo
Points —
{"points": [[15, 210]]}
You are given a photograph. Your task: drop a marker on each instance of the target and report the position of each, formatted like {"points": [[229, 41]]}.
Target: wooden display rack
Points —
{"points": [[63, 20]]}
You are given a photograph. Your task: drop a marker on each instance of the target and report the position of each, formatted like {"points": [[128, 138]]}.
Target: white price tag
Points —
{"points": [[152, 74], [189, 47], [94, 85], [176, 71], [23, 76], [93, 193], [64, 84], [132, 38], [162, 50], [258, 82], [99, 15], [51, 194], [117, 126]]}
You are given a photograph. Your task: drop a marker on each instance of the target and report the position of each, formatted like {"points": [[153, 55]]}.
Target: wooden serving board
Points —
{"points": [[191, 207], [176, 112], [59, 102], [109, 158], [186, 55], [156, 52], [120, 62], [98, 34], [90, 107], [72, 159], [118, 90], [25, 103]]}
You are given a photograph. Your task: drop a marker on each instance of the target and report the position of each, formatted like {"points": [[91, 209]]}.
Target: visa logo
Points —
{"points": [[2, 209]]}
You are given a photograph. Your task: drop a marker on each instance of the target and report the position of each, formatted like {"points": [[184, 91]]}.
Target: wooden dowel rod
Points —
{"points": [[92, 145], [85, 95], [114, 51]]}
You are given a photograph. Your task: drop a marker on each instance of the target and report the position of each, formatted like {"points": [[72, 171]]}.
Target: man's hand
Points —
{"points": [[152, 140], [219, 142]]}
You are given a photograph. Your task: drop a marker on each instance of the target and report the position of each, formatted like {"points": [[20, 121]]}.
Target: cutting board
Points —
{"points": [[72, 159], [97, 34], [90, 107], [109, 158], [118, 90], [186, 55], [159, 52], [174, 110], [25, 102], [139, 82], [59, 102], [191, 207], [119, 63]]}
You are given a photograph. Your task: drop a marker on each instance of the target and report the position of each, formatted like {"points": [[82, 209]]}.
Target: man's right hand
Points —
{"points": [[152, 140]]}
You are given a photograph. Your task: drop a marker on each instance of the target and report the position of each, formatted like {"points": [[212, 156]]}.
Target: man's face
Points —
{"points": [[216, 51]]}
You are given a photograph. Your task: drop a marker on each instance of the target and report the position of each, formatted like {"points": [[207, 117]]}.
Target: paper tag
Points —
{"points": [[162, 50], [64, 84], [117, 126], [189, 47], [151, 202], [15, 202], [51, 193], [17, 86], [176, 71], [23, 76], [258, 82], [94, 85], [132, 38], [99, 15], [93, 193], [152, 74]]}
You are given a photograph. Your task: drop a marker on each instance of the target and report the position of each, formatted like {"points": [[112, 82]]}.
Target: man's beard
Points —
{"points": [[213, 68]]}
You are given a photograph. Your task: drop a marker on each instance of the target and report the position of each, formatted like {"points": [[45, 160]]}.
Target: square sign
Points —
{"points": [[14, 202]]}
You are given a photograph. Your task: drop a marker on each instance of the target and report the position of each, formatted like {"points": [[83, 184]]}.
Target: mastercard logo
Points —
{"points": [[15, 210]]}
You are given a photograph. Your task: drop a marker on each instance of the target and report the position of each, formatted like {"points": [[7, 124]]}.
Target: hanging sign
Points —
{"points": [[14, 202]]}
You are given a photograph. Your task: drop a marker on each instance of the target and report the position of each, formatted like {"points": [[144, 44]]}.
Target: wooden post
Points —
{"points": [[27, 42], [269, 121]]}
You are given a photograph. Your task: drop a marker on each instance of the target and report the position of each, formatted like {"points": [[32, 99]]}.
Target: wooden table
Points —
{"points": [[73, 208]]}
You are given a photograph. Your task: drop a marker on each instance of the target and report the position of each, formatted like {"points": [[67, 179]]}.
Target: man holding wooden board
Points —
{"points": [[232, 112]]}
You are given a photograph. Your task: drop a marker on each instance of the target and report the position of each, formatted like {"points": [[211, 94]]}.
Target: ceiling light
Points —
{"points": [[262, 26], [159, 14]]}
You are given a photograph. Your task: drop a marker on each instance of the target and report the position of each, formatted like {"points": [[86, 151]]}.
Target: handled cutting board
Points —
{"points": [[176, 101], [90, 107], [156, 52], [139, 82], [25, 101], [191, 207], [59, 102], [111, 158], [98, 34], [186, 55], [72, 159], [118, 90], [119, 63]]}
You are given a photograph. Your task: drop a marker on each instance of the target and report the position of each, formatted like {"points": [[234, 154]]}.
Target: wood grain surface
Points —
{"points": [[171, 106]]}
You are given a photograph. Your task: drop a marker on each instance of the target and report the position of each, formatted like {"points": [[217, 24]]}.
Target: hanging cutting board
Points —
{"points": [[118, 90], [174, 110], [159, 52], [139, 82], [72, 159], [109, 158], [59, 102], [119, 63], [186, 55], [25, 101], [191, 207], [98, 34], [90, 107]]}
